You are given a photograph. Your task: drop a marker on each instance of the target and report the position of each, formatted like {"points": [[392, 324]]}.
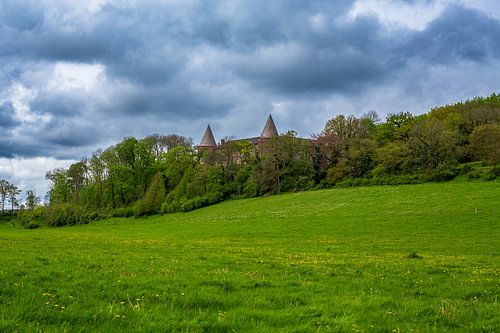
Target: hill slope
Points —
{"points": [[409, 257]]}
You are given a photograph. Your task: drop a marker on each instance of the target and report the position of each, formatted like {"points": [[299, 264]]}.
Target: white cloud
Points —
{"points": [[396, 13], [20, 96], [29, 173], [417, 14], [489, 7], [318, 22], [68, 76]]}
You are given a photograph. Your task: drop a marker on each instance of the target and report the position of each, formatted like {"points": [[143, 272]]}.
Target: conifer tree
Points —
{"points": [[154, 197]]}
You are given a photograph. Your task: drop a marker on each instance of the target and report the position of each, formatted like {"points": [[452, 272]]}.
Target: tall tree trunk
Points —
{"points": [[101, 196], [122, 196], [278, 183], [113, 195]]}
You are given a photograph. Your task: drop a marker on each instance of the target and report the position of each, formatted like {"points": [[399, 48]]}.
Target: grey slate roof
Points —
{"points": [[269, 130], [208, 139], [254, 140]]}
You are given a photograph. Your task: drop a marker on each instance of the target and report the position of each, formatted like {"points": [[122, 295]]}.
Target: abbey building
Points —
{"points": [[208, 142]]}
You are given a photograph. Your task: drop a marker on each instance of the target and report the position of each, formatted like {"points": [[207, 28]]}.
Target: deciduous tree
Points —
{"points": [[432, 144], [4, 192], [485, 143], [13, 192], [31, 199]]}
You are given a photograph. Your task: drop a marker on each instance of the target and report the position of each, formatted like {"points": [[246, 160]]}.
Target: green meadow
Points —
{"points": [[373, 259]]}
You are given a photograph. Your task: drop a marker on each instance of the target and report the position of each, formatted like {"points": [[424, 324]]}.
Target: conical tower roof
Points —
{"points": [[269, 130], [208, 139]]}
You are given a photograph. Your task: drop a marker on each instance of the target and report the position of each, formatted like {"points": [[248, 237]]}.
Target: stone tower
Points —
{"points": [[207, 142], [266, 136], [269, 130]]}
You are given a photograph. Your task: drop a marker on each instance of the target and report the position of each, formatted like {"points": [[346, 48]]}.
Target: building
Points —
{"points": [[208, 142]]}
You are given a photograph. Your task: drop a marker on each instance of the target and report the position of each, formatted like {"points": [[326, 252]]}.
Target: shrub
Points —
{"points": [[123, 212], [360, 182], [297, 183], [337, 174], [32, 225], [251, 189], [490, 176], [31, 219], [465, 169], [443, 173], [171, 206], [153, 199], [93, 215], [139, 208], [383, 180], [186, 205], [481, 174], [344, 183], [213, 198], [65, 214], [476, 174]]}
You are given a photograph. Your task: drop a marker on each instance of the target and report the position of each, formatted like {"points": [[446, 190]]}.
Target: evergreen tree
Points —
{"points": [[155, 195]]}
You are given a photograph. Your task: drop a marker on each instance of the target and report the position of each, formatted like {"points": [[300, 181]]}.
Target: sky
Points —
{"points": [[76, 76]]}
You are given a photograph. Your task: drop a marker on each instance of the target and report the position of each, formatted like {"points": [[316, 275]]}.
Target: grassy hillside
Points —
{"points": [[421, 258]]}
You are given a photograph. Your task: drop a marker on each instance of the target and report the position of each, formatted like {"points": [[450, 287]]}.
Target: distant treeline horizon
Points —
{"points": [[166, 173]]}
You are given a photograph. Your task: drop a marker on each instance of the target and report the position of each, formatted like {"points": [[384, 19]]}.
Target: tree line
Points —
{"points": [[165, 173], [9, 196]]}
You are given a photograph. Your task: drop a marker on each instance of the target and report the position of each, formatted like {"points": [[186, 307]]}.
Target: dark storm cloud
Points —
{"points": [[173, 61], [60, 105], [351, 56], [60, 138], [178, 102], [459, 34], [70, 133], [53, 42], [10, 149], [21, 16], [7, 116], [342, 58], [149, 42]]}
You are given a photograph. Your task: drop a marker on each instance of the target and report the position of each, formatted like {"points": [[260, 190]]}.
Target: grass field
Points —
{"points": [[392, 258]]}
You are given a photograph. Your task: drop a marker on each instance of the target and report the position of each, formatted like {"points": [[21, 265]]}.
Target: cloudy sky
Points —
{"points": [[79, 75]]}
